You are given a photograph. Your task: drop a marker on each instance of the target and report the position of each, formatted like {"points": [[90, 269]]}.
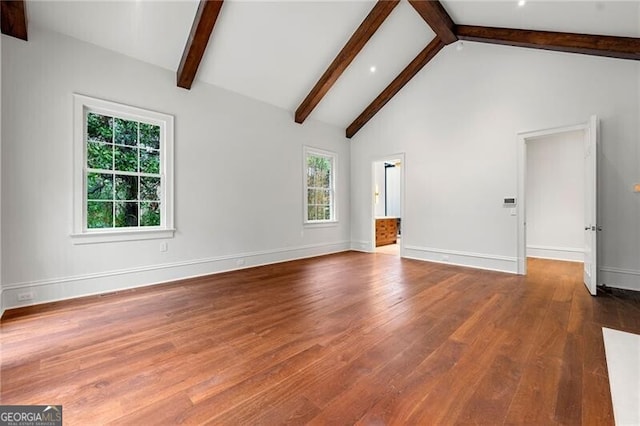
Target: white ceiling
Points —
{"points": [[275, 51]]}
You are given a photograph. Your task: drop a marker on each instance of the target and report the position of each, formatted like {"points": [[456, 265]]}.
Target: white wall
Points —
{"points": [[457, 122], [555, 185], [229, 212]]}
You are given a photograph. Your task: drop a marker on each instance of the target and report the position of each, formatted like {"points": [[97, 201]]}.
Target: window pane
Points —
{"points": [[126, 132], [149, 161], [324, 197], [126, 187], [99, 214], [325, 177], [318, 172], [310, 176], [149, 188], [149, 135], [126, 159], [99, 127], [149, 214], [320, 213], [99, 156], [311, 196], [99, 186], [126, 214], [319, 187], [311, 213]]}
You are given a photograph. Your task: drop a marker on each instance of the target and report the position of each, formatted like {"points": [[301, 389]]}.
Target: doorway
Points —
{"points": [[387, 204], [557, 197]]}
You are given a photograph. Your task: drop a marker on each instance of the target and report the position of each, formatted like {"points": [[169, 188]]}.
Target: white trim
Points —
{"points": [[490, 262], [569, 254], [628, 279], [63, 288], [80, 234], [306, 150], [115, 236], [403, 173], [360, 245], [521, 165], [537, 134], [321, 224]]}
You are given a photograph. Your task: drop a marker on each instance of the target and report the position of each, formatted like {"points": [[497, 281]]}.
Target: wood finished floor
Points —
{"points": [[341, 339]]}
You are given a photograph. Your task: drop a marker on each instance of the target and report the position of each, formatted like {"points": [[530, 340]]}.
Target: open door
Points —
{"points": [[590, 206]]}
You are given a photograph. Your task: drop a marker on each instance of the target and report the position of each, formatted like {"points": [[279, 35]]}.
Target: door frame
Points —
{"points": [[523, 139], [372, 202]]}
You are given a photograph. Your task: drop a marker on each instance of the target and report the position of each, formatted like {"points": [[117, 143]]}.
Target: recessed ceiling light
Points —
{"points": [[372, 69], [522, 2]]}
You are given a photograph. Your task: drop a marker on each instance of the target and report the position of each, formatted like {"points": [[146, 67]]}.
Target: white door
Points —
{"points": [[590, 206]]}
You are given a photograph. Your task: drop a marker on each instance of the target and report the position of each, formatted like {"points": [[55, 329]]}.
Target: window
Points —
{"points": [[123, 186], [319, 188]]}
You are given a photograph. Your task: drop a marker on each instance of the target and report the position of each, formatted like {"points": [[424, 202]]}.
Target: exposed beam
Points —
{"points": [[360, 37], [13, 18], [437, 17], [398, 83], [598, 45], [201, 29]]}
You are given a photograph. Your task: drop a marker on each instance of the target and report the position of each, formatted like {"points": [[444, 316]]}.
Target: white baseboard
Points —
{"points": [[628, 279], [569, 254], [473, 260], [363, 246], [52, 290]]}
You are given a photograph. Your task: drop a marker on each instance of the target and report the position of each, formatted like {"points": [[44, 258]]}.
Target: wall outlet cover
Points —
{"points": [[27, 295]]}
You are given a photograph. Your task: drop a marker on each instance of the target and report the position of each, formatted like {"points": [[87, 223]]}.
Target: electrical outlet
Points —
{"points": [[28, 295], [164, 246]]}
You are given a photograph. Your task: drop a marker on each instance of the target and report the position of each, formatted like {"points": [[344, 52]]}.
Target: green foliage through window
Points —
{"points": [[123, 180], [319, 187]]}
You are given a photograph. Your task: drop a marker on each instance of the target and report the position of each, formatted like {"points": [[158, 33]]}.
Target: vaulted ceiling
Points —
{"points": [[281, 52]]}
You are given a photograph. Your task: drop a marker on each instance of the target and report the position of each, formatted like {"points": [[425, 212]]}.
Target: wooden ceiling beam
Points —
{"points": [[438, 19], [360, 37], [394, 87], [13, 19], [203, 23], [598, 45]]}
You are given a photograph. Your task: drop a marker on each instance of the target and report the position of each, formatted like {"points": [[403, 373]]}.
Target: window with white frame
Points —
{"points": [[123, 185], [319, 186]]}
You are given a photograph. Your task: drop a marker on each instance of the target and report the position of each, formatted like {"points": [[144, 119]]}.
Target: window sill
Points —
{"points": [[97, 237], [330, 223]]}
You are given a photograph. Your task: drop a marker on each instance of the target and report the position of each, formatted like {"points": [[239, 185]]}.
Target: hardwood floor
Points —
{"points": [[341, 339]]}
